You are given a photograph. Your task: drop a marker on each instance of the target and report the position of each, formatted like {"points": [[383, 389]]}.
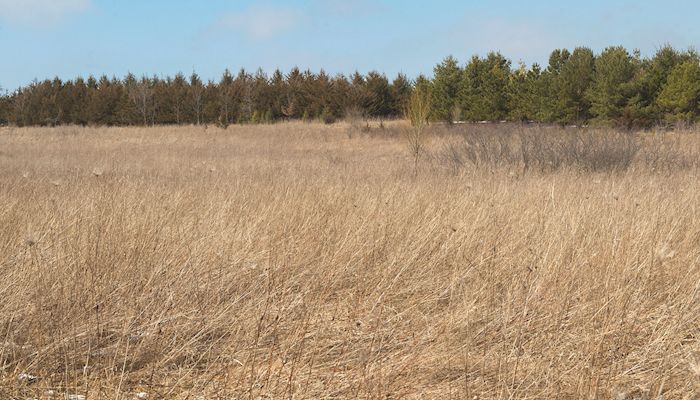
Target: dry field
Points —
{"points": [[309, 261]]}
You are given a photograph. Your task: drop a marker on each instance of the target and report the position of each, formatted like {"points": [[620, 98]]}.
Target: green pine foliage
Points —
{"points": [[4, 110], [524, 93], [613, 88], [573, 81], [446, 84], [681, 93], [483, 95], [378, 95], [401, 89]]}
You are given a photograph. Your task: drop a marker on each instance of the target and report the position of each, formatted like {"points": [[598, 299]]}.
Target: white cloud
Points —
{"points": [[528, 41], [32, 12], [262, 22], [513, 38], [350, 8]]}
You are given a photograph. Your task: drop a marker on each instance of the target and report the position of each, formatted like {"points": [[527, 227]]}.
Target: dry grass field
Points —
{"points": [[309, 261]]}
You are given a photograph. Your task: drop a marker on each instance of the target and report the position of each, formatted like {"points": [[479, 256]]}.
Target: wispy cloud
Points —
{"points": [[527, 40], [44, 12], [513, 38], [262, 22], [350, 8]]}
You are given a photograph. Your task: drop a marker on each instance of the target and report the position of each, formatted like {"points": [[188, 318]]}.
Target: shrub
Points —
{"points": [[539, 149]]}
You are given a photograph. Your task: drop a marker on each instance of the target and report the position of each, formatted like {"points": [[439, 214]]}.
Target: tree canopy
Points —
{"points": [[615, 88]]}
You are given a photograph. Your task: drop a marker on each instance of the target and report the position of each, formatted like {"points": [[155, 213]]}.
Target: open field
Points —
{"points": [[311, 261]]}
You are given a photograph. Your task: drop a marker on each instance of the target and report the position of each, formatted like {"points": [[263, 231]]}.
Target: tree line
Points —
{"points": [[614, 88], [240, 98]]}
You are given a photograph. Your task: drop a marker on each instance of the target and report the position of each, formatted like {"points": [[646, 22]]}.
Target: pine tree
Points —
{"points": [[339, 96], [495, 86], [470, 90], [655, 73], [226, 93], [378, 95], [574, 79], [523, 93], [4, 110], [424, 87], [483, 93], [278, 91], [178, 93], [358, 98], [318, 89], [294, 102], [4, 107], [446, 85], [196, 97], [105, 97], [81, 97], [127, 112], [681, 93], [612, 87], [243, 97], [261, 94], [400, 94], [211, 105]]}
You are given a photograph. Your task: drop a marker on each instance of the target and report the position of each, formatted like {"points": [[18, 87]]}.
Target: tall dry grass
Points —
{"points": [[294, 261]]}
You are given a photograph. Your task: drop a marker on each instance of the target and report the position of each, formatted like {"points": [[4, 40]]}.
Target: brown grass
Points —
{"points": [[295, 261]]}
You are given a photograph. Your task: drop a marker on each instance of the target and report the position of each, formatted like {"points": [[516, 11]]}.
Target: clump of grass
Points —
{"points": [[356, 122]]}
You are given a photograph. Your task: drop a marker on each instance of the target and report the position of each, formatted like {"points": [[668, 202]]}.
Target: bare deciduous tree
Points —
{"points": [[141, 94], [417, 112]]}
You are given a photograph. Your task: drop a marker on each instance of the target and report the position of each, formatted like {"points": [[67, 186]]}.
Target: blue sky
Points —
{"points": [[69, 38]]}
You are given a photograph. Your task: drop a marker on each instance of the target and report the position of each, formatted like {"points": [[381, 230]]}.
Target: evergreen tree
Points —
{"points": [[378, 95], [557, 60], [4, 107], [104, 101], [574, 79], [446, 85], [359, 98], [262, 97], [178, 93], [227, 99], [681, 93], [211, 106], [652, 80], [524, 94], [277, 93], [318, 89], [551, 87], [339, 101], [424, 87], [80, 95], [127, 112], [294, 101], [196, 97], [612, 87], [163, 106], [484, 90], [400, 94], [243, 97], [4, 110]]}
